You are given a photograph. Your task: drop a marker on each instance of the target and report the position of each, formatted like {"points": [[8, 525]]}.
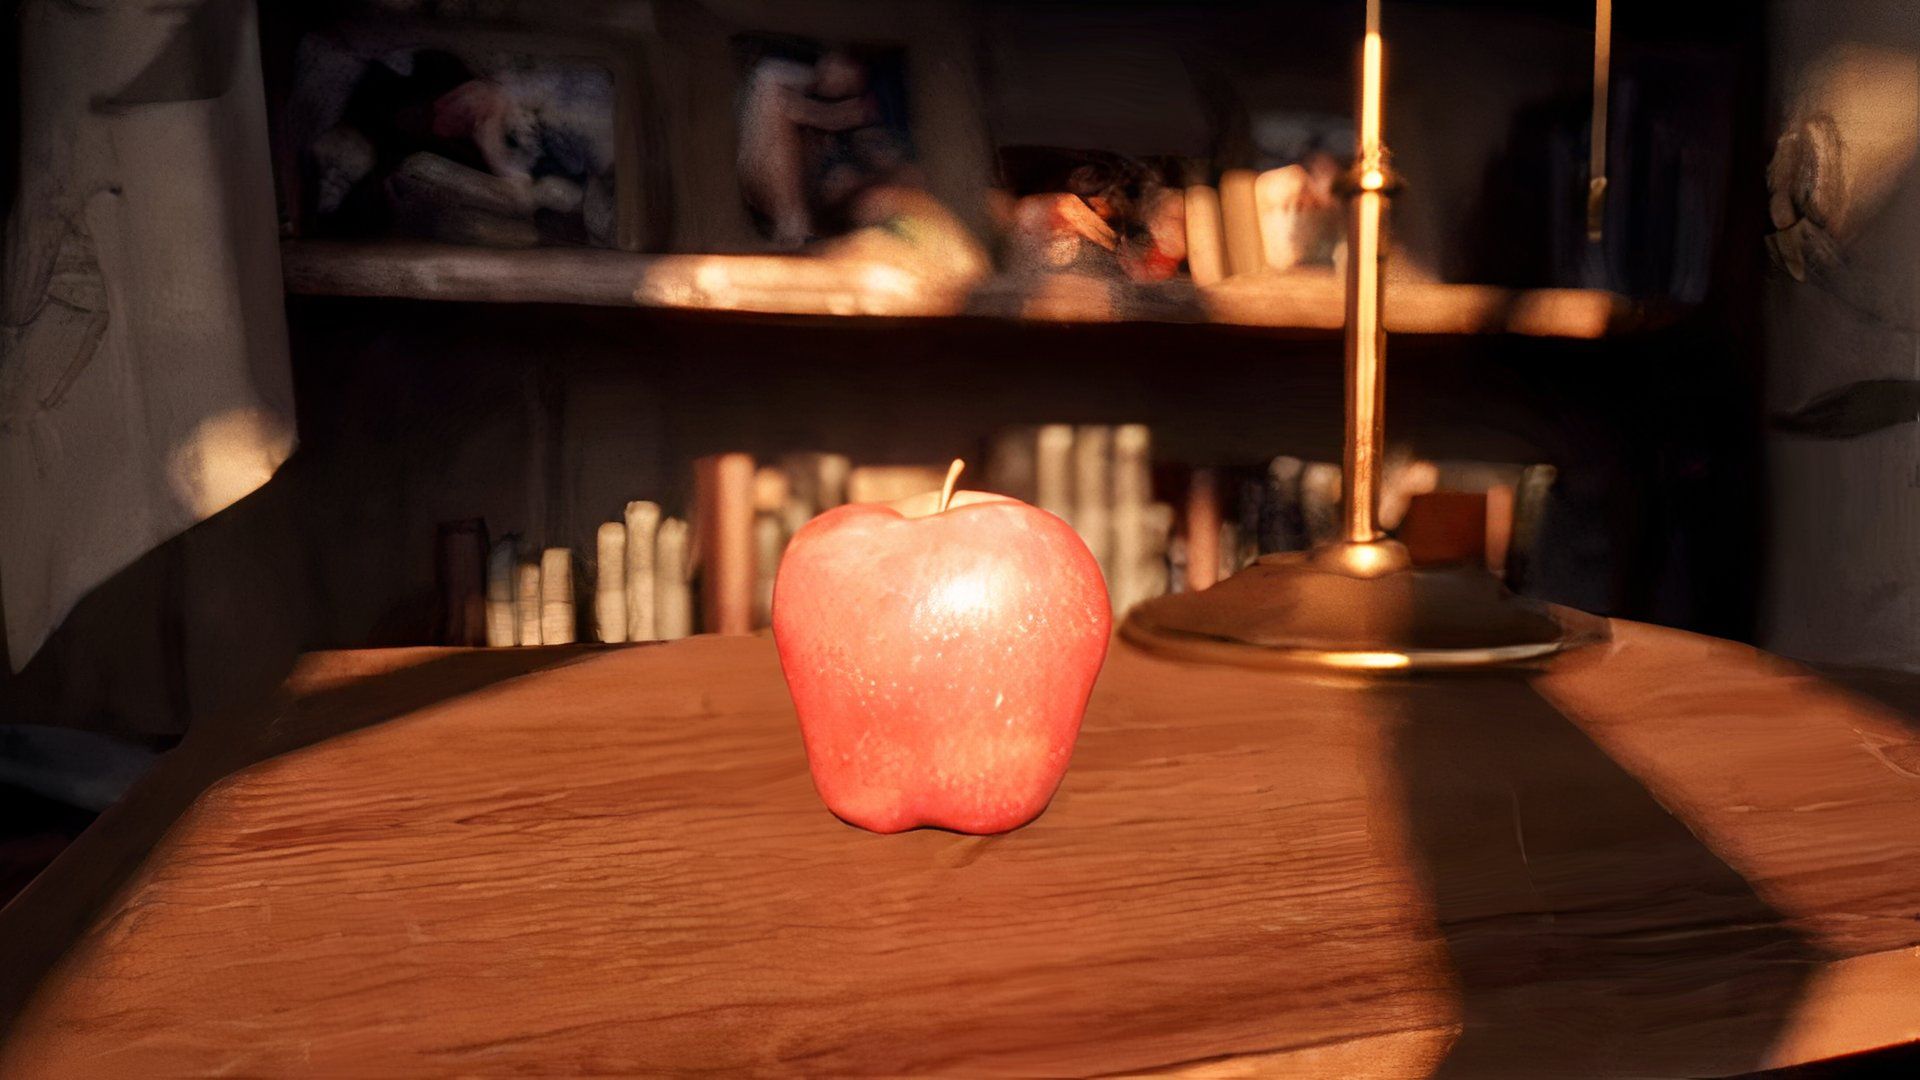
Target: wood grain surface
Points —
{"points": [[1663, 855]]}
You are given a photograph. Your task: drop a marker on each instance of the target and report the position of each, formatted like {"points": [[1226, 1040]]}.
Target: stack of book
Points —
{"points": [[1252, 222], [727, 554], [640, 589], [657, 578], [1099, 479], [1444, 511]]}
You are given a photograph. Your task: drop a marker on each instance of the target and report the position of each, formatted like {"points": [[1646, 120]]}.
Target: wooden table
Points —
{"points": [[1665, 855]]}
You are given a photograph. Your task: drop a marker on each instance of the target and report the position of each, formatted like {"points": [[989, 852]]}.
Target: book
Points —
{"points": [[1445, 528], [1240, 223], [610, 582], [1203, 529], [1277, 196], [642, 522], [1320, 502], [460, 567], [672, 580], [501, 561], [723, 541], [556, 596], [1206, 240], [1011, 460], [1093, 493], [526, 602], [1053, 470], [769, 543], [885, 483], [1136, 557], [1531, 500], [816, 482], [1277, 524]]}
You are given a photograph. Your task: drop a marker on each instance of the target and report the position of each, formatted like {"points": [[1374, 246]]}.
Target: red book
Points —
{"points": [[1444, 527], [1203, 530], [723, 538], [461, 573]]}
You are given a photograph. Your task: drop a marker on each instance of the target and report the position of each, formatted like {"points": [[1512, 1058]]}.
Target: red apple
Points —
{"points": [[940, 655]]}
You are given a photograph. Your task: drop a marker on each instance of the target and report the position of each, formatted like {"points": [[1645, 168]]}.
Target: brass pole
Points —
{"points": [[1355, 602], [1366, 334], [1597, 134]]}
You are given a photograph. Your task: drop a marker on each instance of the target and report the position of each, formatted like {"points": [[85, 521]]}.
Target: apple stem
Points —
{"points": [[953, 477]]}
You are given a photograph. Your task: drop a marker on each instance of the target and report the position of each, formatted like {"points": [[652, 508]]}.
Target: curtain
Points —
{"points": [[144, 378]]}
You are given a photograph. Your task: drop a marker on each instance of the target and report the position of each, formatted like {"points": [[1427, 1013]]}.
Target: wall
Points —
{"points": [[545, 420], [1843, 567]]}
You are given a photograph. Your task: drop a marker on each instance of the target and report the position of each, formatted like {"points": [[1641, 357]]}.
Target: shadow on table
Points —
{"points": [[1898, 691], [44, 920], [1589, 930]]}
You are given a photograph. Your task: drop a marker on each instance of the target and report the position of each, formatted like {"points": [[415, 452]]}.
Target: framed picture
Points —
{"points": [[463, 134]]}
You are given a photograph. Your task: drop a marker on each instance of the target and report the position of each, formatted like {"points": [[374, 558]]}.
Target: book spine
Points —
{"points": [[887, 483], [501, 629], [1010, 464], [723, 499], [1203, 530], [461, 565], [769, 543], [1053, 470], [1252, 507], [1530, 501], [1093, 493], [772, 498], [816, 482], [1277, 196], [1446, 528], [526, 603], [1131, 579], [1405, 478], [1206, 242], [1240, 222], [1231, 555], [1499, 528], [642, 520], [672, 589], [831, 473], [556, 596], [1157, 526], [1320, 502], [1280, 527], [610, 582]]}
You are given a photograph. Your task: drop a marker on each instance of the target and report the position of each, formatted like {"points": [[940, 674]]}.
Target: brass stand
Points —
{"points": [[1356, 603], [1291, 610]]}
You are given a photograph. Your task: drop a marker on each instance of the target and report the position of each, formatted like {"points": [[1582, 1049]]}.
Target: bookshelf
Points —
{"points": [[1307, 301]]}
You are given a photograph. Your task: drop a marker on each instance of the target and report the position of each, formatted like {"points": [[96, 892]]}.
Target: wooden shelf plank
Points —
{"points": [[803, 285]]}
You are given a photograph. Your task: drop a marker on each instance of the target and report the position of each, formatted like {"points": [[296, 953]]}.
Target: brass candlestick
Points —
{"points": [[1356, 603]]}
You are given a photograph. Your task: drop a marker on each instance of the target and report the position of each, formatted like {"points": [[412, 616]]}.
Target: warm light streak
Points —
{"points": [[1370, 83], [1369, 661], [1597, 149], [1363, 370], [1868, 96], [1366, 336], [226, 457]]}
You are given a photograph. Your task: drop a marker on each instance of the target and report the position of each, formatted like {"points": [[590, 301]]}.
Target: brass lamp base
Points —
{"points": [[1355, 607]]}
